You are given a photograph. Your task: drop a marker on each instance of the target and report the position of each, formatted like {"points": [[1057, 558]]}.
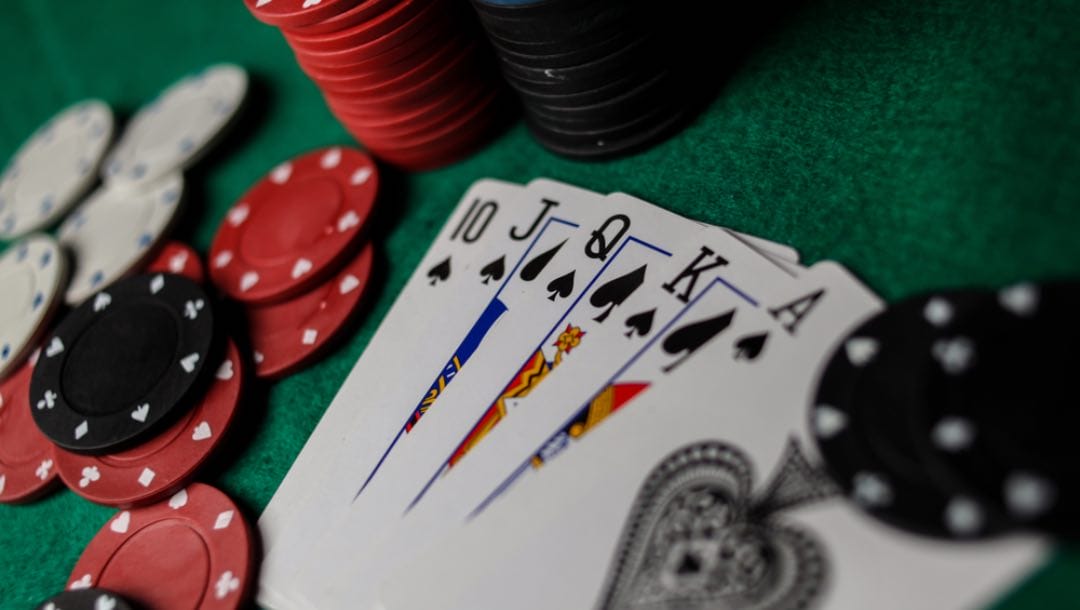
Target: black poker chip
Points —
{"points": [[1002, 411], [865, 418], [127, 359], [86, 599], [597, 78]]}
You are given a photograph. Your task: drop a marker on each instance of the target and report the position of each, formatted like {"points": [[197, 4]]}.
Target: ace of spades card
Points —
{"points": [[703, 492]]}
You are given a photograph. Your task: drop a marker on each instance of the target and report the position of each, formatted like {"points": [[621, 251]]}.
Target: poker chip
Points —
{"points": [[27, 463], [297, 13], [32, 273], [86, 599], [1001, 414], [53, 168], [115, 231], [382, 62], [174, 130], [295, 226], [286, 336], [193, 550], [160, 466], [124, 361], [864, 419], [596, 78], [180, 259]]}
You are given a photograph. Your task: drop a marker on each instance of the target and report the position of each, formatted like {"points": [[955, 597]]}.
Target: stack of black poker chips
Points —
{"points": [[596, 78]]}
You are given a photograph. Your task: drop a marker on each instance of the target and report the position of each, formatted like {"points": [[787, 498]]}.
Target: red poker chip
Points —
{"points": [[286, 336], [407, 78], [380, 25], [383, 57], [179, 259], [294, 226], [164, 464], [458, 69], [193, 550], [27, 459], [456, 126], [364, 11], [469, 137], [414, 123], [297, 13]]}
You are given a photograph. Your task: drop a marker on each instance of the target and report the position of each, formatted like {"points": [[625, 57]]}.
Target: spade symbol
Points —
{"points": [[494, 270], [439, 272], [561, 286], [641, 323], [614, 292], [536, 265], [690, 338], [750, 346]]}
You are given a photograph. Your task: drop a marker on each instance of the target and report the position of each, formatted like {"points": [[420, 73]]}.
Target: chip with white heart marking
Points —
{"points": [[86, 599], [162, 465], [288, 335], [864, 415], [193, 550], [128, 359], [295, 227], [179, 258]]}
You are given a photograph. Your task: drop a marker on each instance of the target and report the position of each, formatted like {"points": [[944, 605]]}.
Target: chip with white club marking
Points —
{"points": [[192, 550], [294, 227], [173, 131], [32, 273], [865, 412], [54, 167], [114, 232], [129, 358]]}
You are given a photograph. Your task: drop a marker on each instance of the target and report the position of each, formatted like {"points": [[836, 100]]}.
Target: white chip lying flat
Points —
{"points": [[32, 275], [54, 167], [115, 230], [171, 132]]}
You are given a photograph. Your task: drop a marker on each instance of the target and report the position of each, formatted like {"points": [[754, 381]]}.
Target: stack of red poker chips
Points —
{"points": [[294, 252], [413, 80]]}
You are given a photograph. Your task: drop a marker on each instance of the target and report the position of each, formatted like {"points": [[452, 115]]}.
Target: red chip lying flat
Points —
{"points": [[193, 550], [160, 466], [27, 462], [295, 226], [286, 336], [178, 258]]}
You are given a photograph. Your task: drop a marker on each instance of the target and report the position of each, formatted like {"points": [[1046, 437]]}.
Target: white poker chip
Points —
{"points": [[115, 230], [32, 273], [54, 167], [175, 129]]}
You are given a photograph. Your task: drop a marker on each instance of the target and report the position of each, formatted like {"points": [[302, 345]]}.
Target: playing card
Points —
{"points": [[487, 234], [701, 493], [603, 319]]}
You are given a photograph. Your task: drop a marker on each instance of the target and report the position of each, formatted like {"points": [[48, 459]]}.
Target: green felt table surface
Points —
{"points": [[922, 144]]}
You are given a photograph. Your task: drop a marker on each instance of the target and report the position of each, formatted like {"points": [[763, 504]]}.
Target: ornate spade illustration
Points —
{"points": [[697, 538]]}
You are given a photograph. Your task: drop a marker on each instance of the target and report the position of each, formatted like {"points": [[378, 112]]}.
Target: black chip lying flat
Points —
{"points": [[864, 418], [85, 599], [122, 362], [1002, 412]]}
